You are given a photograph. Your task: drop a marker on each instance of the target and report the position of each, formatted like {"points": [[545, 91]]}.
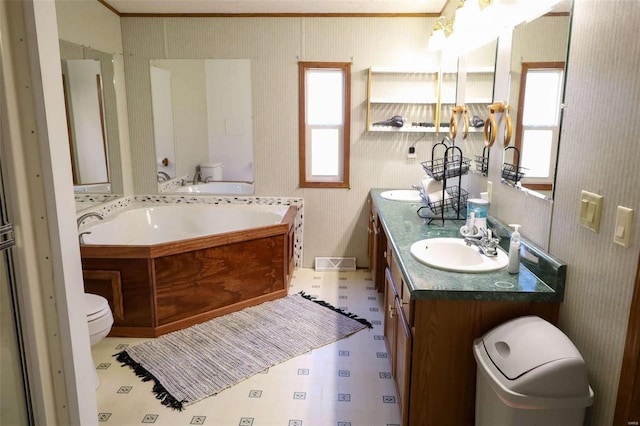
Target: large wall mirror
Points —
{"points": [[202, 114], [538, 55], [90, 100], [475, 87]]}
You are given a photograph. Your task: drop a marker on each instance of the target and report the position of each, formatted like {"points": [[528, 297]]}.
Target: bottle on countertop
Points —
{"points": [[514, 250]]}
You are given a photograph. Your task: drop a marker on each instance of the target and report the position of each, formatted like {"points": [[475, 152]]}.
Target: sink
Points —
{"points": [[453, 254], [410, 195]]}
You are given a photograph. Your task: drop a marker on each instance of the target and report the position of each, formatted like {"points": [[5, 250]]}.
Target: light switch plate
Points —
{"points": [[489, 189], [590, 210], [622, 230]]}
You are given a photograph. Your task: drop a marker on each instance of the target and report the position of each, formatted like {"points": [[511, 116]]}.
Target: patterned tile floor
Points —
{"points": [[346, 383]]}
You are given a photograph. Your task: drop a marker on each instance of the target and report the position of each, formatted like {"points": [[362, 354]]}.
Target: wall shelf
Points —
{"points": [[412, 93]]}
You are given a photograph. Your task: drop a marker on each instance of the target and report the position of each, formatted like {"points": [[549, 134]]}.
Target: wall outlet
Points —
{"points": [[412, 152]]}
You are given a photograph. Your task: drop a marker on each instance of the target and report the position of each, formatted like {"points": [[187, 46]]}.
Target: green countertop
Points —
{"points": [[403, 227]]}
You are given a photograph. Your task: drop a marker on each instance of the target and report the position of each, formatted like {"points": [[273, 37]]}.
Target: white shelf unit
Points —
{"points": [[414, 94]]}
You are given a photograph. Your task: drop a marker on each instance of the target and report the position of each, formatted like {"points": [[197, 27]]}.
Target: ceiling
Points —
{"points": [[360, 7]]}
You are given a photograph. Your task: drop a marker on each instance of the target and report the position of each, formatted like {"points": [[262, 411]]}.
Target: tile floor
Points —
{"points": [[346, 383]]}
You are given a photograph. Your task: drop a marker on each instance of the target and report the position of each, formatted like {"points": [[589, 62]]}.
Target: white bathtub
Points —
{"points": [[221, 188], [98, 188], [144, 225]]}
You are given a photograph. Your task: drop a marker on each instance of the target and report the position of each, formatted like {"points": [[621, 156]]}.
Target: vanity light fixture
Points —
{"points": [[442, 29], [477, 22]]}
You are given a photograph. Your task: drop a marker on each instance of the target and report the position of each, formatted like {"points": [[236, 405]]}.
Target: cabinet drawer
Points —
{"points": [[408, 304], [396, 274]]}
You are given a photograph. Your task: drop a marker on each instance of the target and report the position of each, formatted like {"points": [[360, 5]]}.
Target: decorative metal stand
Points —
{"points": [[453, 197], [482, 161], [512, 172]]}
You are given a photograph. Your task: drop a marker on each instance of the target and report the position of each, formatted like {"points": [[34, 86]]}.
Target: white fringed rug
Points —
{"points": [[200, 361]]}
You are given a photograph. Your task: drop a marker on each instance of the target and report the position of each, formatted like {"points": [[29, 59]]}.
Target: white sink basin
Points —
{"points": [[409, 195], [453, 254]]}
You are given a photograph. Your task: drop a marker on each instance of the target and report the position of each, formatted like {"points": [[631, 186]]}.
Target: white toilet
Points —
{"points": [[212, 171], [99, 320]]}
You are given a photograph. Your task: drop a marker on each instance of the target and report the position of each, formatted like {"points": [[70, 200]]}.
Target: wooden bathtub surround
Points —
{"points": [[157, 289]]}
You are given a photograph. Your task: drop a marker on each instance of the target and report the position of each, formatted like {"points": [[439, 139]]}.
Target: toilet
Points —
{"points": [[99, 320], [213, 171]]}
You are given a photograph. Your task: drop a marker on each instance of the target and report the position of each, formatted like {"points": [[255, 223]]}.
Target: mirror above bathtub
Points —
{"points": [[90, 100], [539, 49], [202, 121]]}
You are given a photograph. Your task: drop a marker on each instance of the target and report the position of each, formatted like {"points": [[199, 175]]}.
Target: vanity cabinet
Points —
{"points": [[377, 257], [429, 337], [398, 337]]}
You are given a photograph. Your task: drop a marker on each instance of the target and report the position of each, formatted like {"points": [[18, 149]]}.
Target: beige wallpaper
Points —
{"points": [[600, 152], [335, 219]]}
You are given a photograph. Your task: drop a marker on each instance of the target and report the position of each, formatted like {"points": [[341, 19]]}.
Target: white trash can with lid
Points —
{"points": [[529, 373]]}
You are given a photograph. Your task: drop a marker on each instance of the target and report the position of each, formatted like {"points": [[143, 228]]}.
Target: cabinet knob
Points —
{"points": [[385, 254], [392, 311]]}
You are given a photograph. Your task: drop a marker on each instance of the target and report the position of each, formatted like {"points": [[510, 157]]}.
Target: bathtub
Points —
{"points": [[167, 267], [221, 188], [146, 226], [93, 188]]}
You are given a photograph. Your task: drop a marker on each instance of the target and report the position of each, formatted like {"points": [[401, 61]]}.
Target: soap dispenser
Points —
{"points": [[514, 250]]}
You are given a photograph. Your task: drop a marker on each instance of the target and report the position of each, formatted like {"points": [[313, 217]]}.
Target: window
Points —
{"points": [[538, 122], [324, 118]]}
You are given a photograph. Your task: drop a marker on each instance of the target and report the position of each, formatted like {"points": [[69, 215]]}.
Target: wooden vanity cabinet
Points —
{"points": [[377, 249], [398, 339], [430, 347]]}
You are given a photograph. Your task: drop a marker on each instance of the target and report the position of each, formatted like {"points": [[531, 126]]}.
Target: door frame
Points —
{"points": [[627, 404]]}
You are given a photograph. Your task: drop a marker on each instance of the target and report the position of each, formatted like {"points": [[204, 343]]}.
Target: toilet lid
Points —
{"points": [[95, 304]]}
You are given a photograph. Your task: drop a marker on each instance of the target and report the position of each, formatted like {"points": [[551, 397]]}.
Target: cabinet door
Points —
{"points": [[402, 370], [373, 251], [381, 257], [390, 318]]}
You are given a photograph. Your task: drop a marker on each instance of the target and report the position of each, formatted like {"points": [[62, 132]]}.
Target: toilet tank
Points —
{"points": [[213, 171]]}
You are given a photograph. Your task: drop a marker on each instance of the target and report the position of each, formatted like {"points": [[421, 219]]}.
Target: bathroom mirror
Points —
{"points": [[202, 114], [477, 70], [90, 101], [538, 54]]}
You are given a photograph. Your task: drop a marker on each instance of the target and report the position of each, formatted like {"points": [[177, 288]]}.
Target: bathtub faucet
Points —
{"points": [[197, 177], [87, 215], [163, 176]]}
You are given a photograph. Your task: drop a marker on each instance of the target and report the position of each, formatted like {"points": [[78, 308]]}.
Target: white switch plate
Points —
{"points": [[489, 189], [590, 210], [622, 230]]}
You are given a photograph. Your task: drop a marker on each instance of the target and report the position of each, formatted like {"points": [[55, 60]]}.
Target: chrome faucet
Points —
{"points": [[197, 177], [163, 176], [82, 219], [486, 243], [87, 215]]}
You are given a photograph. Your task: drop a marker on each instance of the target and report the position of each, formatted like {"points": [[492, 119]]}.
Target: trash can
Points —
{"points": [[529, 373]]}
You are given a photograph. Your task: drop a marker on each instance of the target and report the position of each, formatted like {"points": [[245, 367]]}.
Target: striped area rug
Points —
{"points": [[189, 365]]}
